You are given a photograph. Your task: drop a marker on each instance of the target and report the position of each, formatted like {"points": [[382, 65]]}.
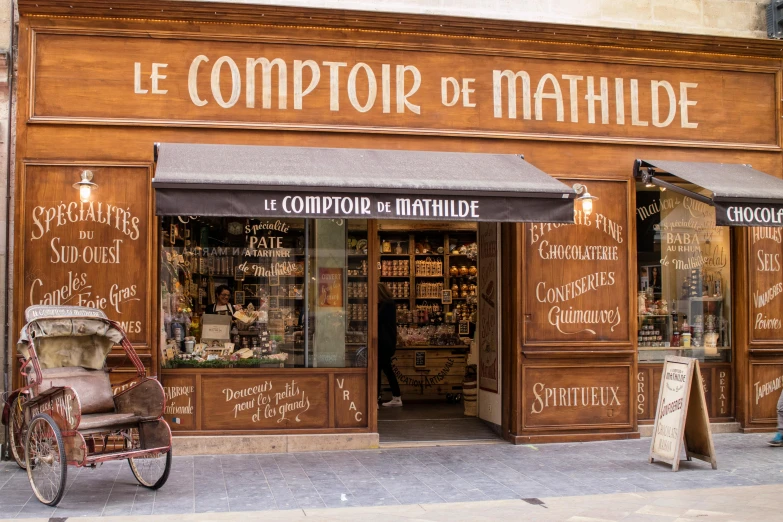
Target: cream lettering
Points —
{"points": [[576, 397]]}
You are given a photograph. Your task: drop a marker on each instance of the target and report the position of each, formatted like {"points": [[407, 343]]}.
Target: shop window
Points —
{"points": [[244, 292], [683, 278]]}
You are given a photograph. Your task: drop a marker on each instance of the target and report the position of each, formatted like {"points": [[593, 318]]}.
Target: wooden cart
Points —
{"points": [[67, 413]]}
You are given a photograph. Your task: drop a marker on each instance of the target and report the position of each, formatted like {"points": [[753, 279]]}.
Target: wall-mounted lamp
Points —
{"points": [[586, 198], [85, 186]]}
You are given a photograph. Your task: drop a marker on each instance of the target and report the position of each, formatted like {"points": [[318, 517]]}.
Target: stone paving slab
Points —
{"points": [[398, 477], [745, 503]]}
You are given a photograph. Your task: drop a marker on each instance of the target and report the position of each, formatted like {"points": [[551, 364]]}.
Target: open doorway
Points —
{"points": [[431, 273]]}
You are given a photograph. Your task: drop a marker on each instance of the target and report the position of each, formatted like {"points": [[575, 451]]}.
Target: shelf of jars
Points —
{"points": [[432, 276], [694, 327]]}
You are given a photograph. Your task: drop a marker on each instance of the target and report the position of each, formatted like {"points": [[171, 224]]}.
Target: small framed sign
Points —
{"points": [[274, 280], [464, 328], [239, 274], [274, 303], [239, 297], [446, 297], [420, 359]]}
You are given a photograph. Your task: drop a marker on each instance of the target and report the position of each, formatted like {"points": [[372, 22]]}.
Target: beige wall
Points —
{"points": [[743, 18]]}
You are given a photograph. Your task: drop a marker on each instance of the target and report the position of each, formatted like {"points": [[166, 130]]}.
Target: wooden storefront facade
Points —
{"points": [[98, 87]]}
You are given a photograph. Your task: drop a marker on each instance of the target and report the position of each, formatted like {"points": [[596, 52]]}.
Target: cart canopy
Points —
{"points": [[67, 336]]}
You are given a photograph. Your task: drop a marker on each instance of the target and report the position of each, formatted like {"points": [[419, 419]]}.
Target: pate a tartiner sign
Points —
{"points": [[161, 80]]}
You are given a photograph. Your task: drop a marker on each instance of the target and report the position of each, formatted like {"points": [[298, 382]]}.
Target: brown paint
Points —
{"points": [[576, 397], [740, 78], [576, 277]]}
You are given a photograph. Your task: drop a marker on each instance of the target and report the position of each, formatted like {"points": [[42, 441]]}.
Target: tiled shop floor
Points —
{"points": [[431, 421], [394, 476]]}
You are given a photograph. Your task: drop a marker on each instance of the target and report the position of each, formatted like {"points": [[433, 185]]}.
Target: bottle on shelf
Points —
{"points": [[685, 336], [177, 331], [675, 340]]}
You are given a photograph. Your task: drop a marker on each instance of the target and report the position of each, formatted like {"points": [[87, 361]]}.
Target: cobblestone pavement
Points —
{"points": [[394, 477]]}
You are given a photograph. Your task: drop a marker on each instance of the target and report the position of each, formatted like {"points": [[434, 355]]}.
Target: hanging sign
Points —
{"points": [[681, 416], [330, 287]]}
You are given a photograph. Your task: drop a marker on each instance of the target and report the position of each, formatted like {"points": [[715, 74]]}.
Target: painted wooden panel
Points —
{"points": [[93, 253], [766, 384], [576, 396], [722, 400], [249, 402], [576, 276], [181, 401], [156, 79], [645, 399], [766, 284], [350, 398]]}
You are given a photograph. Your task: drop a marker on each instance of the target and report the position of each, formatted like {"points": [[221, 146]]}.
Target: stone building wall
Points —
{"points": [[5, 45], [741, 18]]}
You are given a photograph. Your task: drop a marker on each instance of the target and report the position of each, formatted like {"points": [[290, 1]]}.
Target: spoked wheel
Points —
{"points": [[17, 430], [151, 471], [45, 459]]}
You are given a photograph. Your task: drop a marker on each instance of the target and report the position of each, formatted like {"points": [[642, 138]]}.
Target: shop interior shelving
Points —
{"points": [[403, 246]]}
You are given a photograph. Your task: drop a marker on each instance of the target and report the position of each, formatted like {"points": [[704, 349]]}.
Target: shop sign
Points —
{"points": [[766, 387], [162, 81], [748, 214], [766, 283], [681, 390], [364, 206], [351, 398], [89, 254], [577, 275], [180, 410], [641, 394], [263, 402], [576, 396]]}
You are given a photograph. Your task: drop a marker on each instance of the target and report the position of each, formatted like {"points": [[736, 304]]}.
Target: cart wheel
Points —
{"points": [[45, 458], [152, 471], [17, 431]]}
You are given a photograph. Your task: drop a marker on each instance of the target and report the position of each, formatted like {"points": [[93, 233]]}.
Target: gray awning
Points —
{"points": [[259, 181], [741, 195]]}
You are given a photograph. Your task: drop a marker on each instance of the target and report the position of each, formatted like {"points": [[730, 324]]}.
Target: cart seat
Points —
{"points": [[92, 386], [106, 420]]}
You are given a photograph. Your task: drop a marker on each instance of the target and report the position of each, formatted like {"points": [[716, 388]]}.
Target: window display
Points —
{"points": [[683, 283], [244, 292]]}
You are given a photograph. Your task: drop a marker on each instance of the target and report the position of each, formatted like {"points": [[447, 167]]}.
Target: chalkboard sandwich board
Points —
{"points": [[681, 416]]}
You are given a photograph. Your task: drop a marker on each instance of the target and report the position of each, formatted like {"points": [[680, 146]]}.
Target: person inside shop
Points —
{"points": [[387, 343], [655, 279], [222, 305]]}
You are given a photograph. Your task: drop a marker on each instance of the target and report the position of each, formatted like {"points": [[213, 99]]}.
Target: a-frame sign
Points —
{"points": [[681, 416]]}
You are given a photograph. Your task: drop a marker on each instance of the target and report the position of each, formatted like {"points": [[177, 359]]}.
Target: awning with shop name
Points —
{"points": [[741, 195], [262, 181]]}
